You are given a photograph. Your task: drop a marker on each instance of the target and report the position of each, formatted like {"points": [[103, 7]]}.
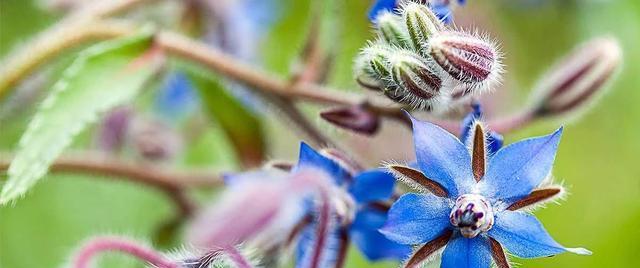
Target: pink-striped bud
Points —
{"points": [[577, 79], [466, 58], [416, 81]]}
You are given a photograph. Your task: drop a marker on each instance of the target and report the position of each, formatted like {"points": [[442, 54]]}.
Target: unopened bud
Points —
{"points": [[354, 118], [578, 78], [390, 29], [466, 58], [417, 82], [422, 24], [154, 140], [372, 67]]}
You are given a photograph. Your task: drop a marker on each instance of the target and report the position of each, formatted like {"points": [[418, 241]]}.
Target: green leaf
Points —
{"points": [[102, 77], [241, 126]]}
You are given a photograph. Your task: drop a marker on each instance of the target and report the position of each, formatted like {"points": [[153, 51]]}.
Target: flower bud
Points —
{"points": [[354, 118], [578, 77], [417, 83], [422, 24], [390, 29], [372, 67], [153, 140], [466, 58]]}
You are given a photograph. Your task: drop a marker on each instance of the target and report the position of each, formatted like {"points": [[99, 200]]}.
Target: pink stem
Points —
{"points": [[238, 259], [104, 244]]}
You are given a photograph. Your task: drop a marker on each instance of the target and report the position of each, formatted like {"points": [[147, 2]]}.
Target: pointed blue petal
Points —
{"points": [[417, 218], [524, 236], [374, 245], [380, 6], [464, 252], [306, 242], [442, 157], [467, 122], [372, 185], [494, 142], [311, 158], [514, 171]]}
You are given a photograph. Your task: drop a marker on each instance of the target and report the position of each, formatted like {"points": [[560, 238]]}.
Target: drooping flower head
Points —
{"points": [[419, 61], [472, 200], [358, 208]]}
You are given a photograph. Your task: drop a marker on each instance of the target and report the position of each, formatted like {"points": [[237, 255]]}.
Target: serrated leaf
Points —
{"points": [[103, 76], [241, 126]]}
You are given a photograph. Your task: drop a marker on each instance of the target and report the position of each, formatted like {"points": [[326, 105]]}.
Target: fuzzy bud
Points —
{"points": [[372, 67], [422, 24], [466, 58], [390, 29], [417, 83], [579, 77]]}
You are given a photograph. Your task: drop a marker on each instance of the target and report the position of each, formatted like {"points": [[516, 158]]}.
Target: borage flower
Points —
{"points": [[442, 8], [473, 200], [358, 209]]}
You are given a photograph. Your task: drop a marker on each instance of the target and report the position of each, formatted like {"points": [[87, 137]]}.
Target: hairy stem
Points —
{"points": [[98, 245], [54, 42], [173, 183]]}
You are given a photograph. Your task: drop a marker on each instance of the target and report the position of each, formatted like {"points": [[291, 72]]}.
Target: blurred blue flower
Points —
{"points": [[369, 190], [475, 217], [442, 8], [176, 98]]}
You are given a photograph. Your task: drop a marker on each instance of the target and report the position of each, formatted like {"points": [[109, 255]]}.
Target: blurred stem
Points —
{"points": [[173, 183], [76, 29], [178, 45]]}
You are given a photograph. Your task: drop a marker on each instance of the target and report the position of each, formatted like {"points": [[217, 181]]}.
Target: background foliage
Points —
{"points": [[598, 157]]}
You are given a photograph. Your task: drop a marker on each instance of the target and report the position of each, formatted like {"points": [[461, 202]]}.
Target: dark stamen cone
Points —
{"points": [[578, 78], [479, 153], [417, 178], [466, 58], [535, 197], [428, 250], [354, 118], [499, 257]]}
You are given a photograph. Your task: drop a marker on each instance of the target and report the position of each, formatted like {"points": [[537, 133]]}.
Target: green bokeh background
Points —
{"points": [[598, 159]]}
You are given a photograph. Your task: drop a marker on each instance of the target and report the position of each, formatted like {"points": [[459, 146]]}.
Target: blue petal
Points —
{"points": [[464, 252], [514, 171], [380, 6], [524, 236], [443, 12], [442, 157], [311, 158], [372, 185], [467, 122], [417, 218], [306, 242], [374, 245]]}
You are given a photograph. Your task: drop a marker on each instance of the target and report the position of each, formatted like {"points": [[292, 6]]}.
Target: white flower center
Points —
{"points": [[472, 214]]}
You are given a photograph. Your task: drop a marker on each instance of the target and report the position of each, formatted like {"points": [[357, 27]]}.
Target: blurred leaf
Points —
{"points": [[103, 76], [242, 127]]}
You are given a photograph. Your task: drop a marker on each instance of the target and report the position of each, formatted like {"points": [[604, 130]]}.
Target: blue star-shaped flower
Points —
{"points": [[475, 197], [442, 8], [368, 190]]}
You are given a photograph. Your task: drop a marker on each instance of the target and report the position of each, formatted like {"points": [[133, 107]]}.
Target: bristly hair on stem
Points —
{"points": [[87, 253]]}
